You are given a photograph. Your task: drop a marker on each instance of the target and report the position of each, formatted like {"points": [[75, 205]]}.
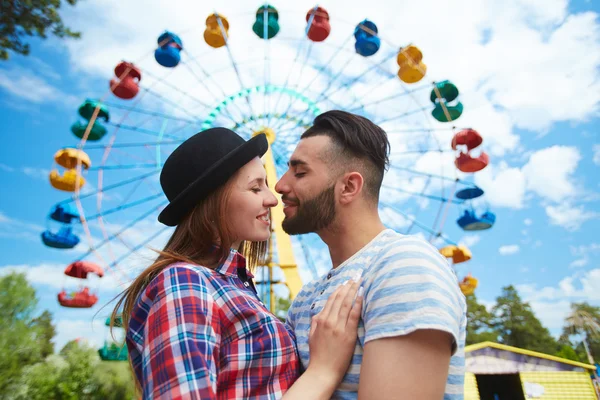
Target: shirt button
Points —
{"points": [[329, 275], [312, 307], [322, 291]]}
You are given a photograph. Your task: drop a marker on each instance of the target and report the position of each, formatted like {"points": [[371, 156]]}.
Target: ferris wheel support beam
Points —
{"points": [[285, 254]]}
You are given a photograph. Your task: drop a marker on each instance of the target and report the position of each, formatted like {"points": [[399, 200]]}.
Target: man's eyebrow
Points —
{"points": [[295, 162]]}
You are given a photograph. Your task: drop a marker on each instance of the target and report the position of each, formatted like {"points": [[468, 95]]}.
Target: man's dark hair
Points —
{"points": [[354, 137]]}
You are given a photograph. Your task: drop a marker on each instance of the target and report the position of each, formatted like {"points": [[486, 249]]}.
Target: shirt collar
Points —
{"points": [[232, 263]]}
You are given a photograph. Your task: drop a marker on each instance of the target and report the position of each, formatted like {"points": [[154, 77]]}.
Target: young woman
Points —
{"points": [[196, 328]]}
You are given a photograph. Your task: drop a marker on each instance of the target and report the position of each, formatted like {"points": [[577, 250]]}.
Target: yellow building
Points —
{"points": [[499, 372]]}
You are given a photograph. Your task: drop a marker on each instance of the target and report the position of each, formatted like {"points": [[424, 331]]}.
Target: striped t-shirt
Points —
{"points": [[408, 286]]}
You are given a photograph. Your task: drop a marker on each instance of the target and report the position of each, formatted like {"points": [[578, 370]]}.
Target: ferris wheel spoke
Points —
{"points": [[233, 62], [417, 223], [138, 247], [319, 71], [133, 144], [405, 114], [287, 78], [413, 130], [311, 265], [422, 194], [442, 177], [201, 81], [79, 196], [148, 112], [141, 130], [122, 230], [125, 206], [125, 166], [384, 99]]}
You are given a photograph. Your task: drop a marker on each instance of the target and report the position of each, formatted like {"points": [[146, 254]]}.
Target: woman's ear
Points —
{"points": [[352, 186]]}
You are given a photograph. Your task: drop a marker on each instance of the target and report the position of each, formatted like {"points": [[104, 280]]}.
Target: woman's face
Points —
{"points": [[250, 202]]}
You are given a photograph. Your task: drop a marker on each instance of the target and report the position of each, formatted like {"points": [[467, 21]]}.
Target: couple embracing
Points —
{"points": [[386, 322]]}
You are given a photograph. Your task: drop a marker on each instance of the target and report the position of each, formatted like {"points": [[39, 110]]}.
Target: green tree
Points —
{"points": [[19, 346], [584, 323], [77, 380], [19, 18], [44, 333], [518, 326], [567, 351], [115, 381], [282, 306], [479, 322]]}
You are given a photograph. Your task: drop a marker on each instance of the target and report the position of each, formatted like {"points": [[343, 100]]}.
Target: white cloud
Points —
{"points": [[470, 240], [28, 86], [504, 186], [94, 331], [583, 252], [580, 262], [52, 276], [569, 217], [509, 249], [6, 168], [582, 286], [596, 150], [37, 173], [16, 229], [549, 172], [528, 221]]}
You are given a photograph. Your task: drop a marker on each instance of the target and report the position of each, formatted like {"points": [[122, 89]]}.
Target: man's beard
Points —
{"points": [[312, 215]]}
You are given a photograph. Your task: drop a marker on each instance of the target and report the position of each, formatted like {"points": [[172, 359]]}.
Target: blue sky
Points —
{"points": [[529, 78]]}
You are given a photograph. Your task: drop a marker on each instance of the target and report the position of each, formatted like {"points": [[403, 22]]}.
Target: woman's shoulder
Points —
{"points": [[179, 277]]}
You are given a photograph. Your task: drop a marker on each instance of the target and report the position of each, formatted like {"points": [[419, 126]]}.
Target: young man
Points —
{"points": [[412, 333]]}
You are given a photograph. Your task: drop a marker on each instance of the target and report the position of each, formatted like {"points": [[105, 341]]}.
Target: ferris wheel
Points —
{"points": [[264, 71]]}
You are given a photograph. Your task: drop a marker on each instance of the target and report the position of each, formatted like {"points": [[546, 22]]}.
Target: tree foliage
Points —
{"points": [[479, 322], [583, 324], [518, 326], [29, 369], [20, 19], [24, 339]]}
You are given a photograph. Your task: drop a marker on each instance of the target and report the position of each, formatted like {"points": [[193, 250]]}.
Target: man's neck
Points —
{"points": [[346, 239]]}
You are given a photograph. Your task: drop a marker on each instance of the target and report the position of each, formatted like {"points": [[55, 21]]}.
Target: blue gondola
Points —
{"points": [[469, 193], [64, 239], [470, 222], [168, 54], [63, 213], [367, 43]]}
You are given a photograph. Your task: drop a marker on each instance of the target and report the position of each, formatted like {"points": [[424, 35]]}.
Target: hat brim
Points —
{"points": [[212, 178]]}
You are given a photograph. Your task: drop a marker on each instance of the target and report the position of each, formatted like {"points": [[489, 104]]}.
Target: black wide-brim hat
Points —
{"points": [[202, 164]]}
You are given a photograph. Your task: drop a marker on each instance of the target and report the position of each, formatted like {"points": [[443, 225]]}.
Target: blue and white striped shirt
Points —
{"points": [[408, 285]]}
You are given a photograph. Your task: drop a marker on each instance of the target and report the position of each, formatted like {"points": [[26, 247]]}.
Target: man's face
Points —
{"points": [[307, 189]]}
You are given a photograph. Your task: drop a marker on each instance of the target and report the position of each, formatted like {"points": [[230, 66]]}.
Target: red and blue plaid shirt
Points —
{"points": [[198, 333]]}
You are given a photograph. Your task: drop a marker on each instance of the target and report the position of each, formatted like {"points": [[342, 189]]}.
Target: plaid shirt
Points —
{"points": [[197, 333]]}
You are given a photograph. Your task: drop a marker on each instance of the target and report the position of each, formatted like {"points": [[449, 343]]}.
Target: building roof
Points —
{"points": [[530, 353]]}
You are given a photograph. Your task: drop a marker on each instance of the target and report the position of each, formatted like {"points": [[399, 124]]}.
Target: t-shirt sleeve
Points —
{"points": [[409, 287], [182, 338]]}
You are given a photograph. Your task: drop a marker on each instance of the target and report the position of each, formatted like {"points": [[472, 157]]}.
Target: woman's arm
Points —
{"points": [[181, 338], [332, 338]]}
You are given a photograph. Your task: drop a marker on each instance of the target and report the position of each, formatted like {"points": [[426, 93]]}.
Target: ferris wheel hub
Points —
{"points": [[270, 133]]}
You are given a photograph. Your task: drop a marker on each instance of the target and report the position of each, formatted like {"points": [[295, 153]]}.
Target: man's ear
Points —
{"points": [[352, 186]]}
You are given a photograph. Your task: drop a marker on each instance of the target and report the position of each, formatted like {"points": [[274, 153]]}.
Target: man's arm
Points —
{"points": [[414, 322], [414, 366]]}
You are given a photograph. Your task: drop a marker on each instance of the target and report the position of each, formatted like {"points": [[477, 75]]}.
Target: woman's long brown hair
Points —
{"points": [[192, 242]]}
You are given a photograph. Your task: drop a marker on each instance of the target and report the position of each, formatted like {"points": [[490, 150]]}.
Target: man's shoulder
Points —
{"points": [[397, 247]]}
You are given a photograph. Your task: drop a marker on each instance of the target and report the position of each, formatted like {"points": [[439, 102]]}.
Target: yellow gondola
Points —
{"points": [[69, 181], [68, 158], [412, 68]]}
